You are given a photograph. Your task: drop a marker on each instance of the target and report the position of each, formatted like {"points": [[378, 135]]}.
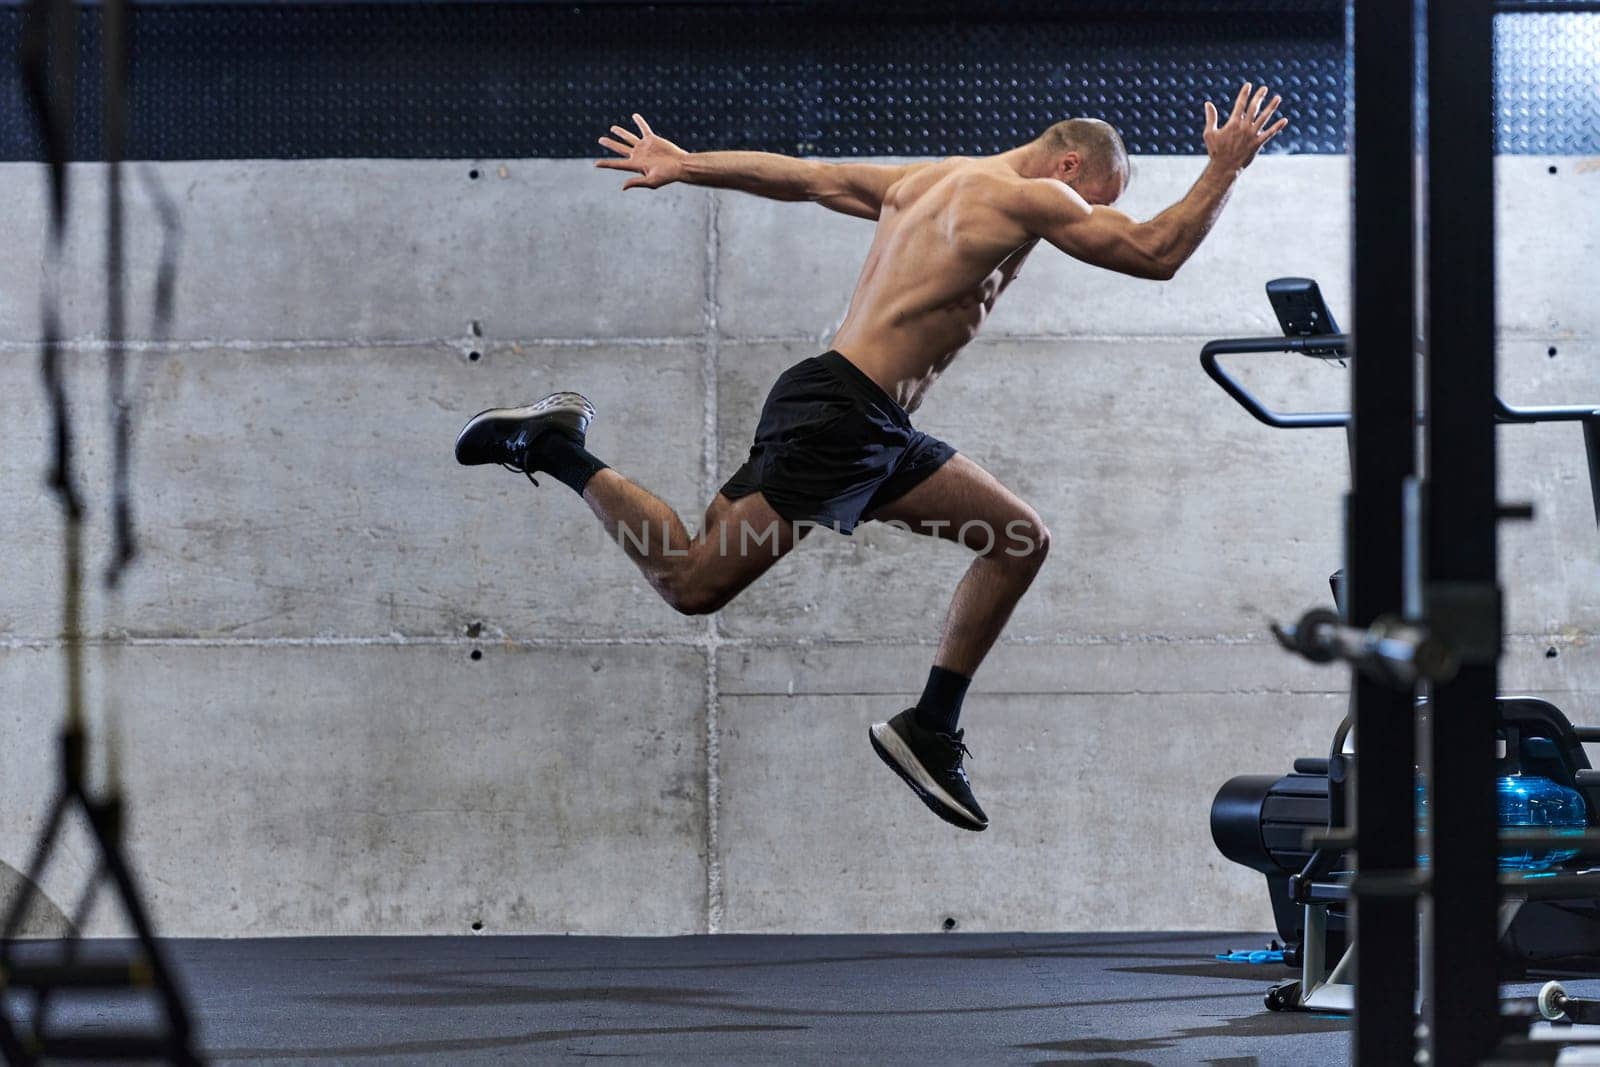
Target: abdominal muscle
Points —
{"points": [[907, 357]]}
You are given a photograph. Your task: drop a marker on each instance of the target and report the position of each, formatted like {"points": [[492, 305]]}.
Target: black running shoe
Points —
{"points": [[930, 763], [504, 435]]}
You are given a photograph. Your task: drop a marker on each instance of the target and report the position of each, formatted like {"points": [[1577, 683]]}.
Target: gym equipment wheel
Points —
{"points": [[1552, 1001], [1285, 996]]}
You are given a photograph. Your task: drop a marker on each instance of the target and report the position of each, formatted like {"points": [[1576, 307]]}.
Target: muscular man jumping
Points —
{"points": [[835, 445]]}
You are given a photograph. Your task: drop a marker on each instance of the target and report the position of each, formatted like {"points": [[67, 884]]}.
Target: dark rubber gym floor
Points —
{"points": [[923, 999]]}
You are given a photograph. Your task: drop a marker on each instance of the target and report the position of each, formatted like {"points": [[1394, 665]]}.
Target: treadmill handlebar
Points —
{"points": [[1338, 344], [1318, 347]]}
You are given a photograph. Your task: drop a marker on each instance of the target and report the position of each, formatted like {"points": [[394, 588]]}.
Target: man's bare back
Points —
{"points": [[952, 235]]}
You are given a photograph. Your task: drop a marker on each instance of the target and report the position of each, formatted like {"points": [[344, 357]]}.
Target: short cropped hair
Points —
{"points": [[1098, 142]]}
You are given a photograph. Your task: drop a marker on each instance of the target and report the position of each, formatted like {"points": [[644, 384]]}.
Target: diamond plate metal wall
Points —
{"points": [[1547, 83], [518, 80]]}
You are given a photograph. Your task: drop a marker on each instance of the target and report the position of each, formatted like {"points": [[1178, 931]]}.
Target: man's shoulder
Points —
{"points": [[1051, 197]]}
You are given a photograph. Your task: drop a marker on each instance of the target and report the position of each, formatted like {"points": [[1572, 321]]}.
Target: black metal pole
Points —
{"points": [[1383, 409], [1591, 448], [1462, 592]]}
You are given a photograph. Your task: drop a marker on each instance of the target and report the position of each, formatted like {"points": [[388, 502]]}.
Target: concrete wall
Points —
{"points": [[312, 749]]}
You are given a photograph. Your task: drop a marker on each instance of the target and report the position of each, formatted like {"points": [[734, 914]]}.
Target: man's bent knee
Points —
{"points": [[719, 566], [695, 603], [687, 596], [694, 589], [1026, 541]]}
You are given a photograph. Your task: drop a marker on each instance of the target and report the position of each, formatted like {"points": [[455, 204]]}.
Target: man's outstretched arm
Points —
{"points": [[1158, 247], [851, 188]]}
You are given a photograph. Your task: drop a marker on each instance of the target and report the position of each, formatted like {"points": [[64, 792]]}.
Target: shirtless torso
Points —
{"points": [[952, 235], [947, 244]]}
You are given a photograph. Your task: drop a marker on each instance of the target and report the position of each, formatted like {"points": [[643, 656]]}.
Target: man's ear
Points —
{"points": [[1069, 166]]}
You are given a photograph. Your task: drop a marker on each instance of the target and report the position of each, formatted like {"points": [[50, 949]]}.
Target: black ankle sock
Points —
{"points": [[565, 460], [940, 707]]}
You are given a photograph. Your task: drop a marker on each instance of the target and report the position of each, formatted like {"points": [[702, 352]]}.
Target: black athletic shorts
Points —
{"points": [[832, 447]]}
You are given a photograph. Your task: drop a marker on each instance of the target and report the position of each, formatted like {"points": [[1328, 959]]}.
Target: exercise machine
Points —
{"points": [[1290, 827]]}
